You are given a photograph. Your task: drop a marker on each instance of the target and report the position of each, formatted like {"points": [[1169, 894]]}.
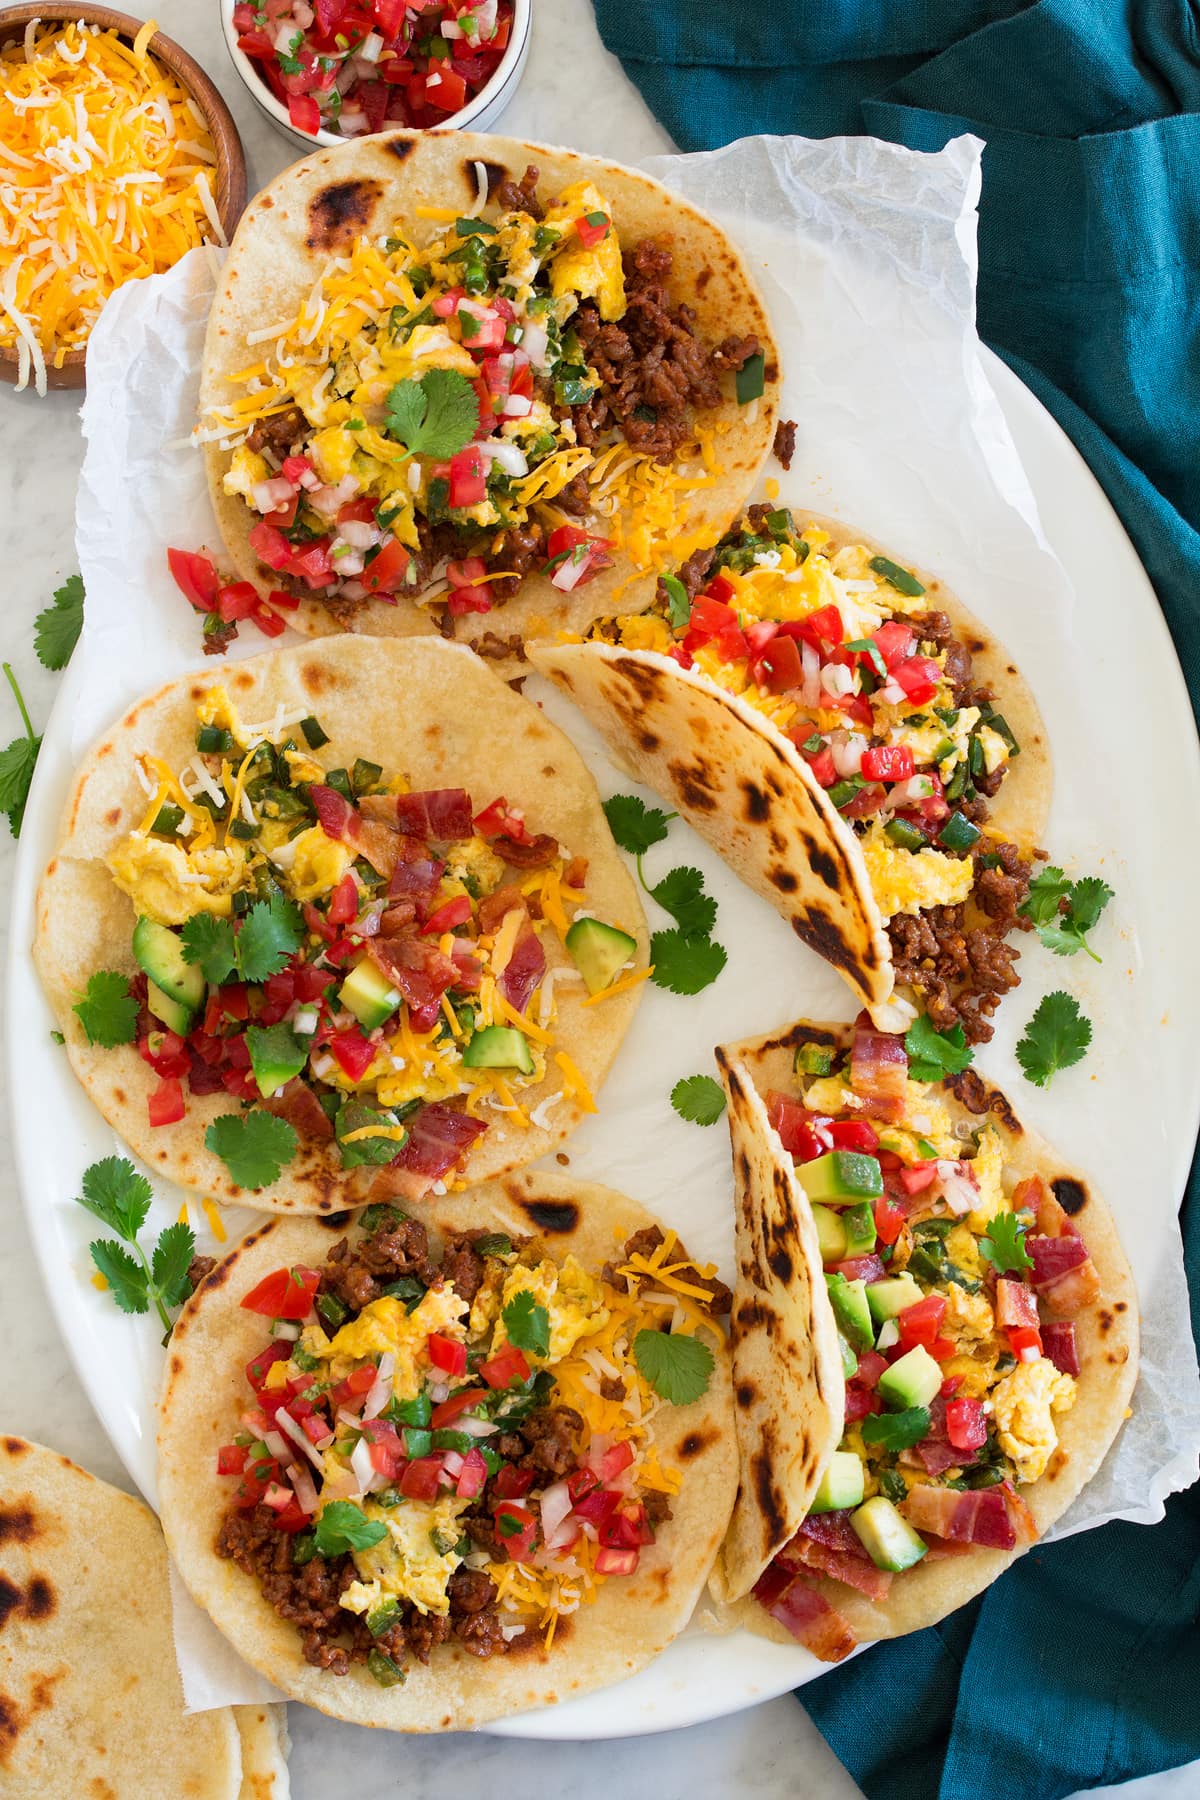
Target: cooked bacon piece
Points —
{"points": [[536, 853], [414, 965], [988, 1516], [396, 919], [380, 844], [935, 1451], [805, 1613], [334, 812], [438, 1138], [203, 1077], [442, 813], [303, 1111], [828, 1544], [493, 907], [1058, 1342], [1015, 1303], [878, 1070], [416, 879], [1064, 1274], [469, 967], [1023, 1521], [1076, 1289], [575, 873], [524, 968]]}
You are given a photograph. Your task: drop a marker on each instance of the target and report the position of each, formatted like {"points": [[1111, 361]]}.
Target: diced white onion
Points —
{"points": [[889, 1334], [380, 1390], [569, 574], [450, 29], [286, 1329], [327, 500], [517, 406], [352, 563], [305, 1022], [297, 1434], [452, 1462], [958, 1190], [268, 496], [535, 343], [510, 457], [275, 1445], [305, 1488], [838, 679], [363, 1467], [284, 35], [360, 533], [479, 1428], [917, 787], [371, 47], [556, 1504], [439, 1391], [847, 756], [810, 662]]}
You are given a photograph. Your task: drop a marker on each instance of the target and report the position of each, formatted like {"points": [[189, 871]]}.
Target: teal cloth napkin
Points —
{"points": [[1081, 1666]]}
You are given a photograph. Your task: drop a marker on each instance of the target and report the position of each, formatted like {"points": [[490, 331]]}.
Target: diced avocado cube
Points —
{"points": [[599, 952], [888, 1539], [811, 1059], [841, 1485], [849, 1302], [842, 1175], [276, 1054], [849, 1360], [160, 954], [369, 995], [859, 1222], [914, 1380], [174, 1016], [499, 1047], [887, 1298], [831, 1234]]}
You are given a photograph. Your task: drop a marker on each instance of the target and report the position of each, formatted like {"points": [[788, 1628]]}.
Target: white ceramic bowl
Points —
{"points": [[479, 114]]}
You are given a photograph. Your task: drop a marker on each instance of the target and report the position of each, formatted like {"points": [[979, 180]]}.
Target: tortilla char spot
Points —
{"points": [[694, 1443], [1070, 1194], [266, 203], [770, 1500], [758, 804], [744, 1168], [341, 213], [399, 147], [40, 1599], [243, 682], [217, 1277], [1105, 1322], [561, 1216], [1005, 1114], [779, 843], [195, 693], [314, 678], [1121, 1306], [694, 783], [119, 1096], [10, 1599], [106, 749], [649, 743], [747, 1393], [823, 865], [563, 1160], [495, 173], [112, 816], [10, 1725], [1056, 1465], [771, 371], [783, 879], [816, 929], [101, 1789], [334, 1221], [16, 1446], [17, 1524], [781, 1263]]}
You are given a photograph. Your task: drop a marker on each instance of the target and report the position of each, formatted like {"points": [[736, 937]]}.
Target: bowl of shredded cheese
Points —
{"points": [[117, 157]]}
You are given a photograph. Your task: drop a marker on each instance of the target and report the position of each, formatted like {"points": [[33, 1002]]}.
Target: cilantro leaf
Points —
{"points": [[684, 963], [209, 942], [271, 931], [127, 1282], [169, 1267], [896, 1431], [17, 764], [699, 1099], [634, 825], [1088, 899], [1055, 1038], [1047, 889], [108, 1011], [435, 416], [1004, 1244], [59, 626], [118, 1196], [934, 1054], [527, 1324], [677, 1367], [1065, 911], [253, 1146], [681, 893], [343, 1526]]}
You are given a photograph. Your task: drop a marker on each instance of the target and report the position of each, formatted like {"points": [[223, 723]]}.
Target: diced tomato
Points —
{"points": [[296, 469], [472, 1477], [918, 677], [759, 635], [285, 1294], [505, 1368], [280, 992], [385, 1447], [1024, 1337], [353, 1052], [269, 623], [966, 1426], [165, 1051], [590, 235], [256, 1368], [448, 1410], [463, 600], [304, 113], [254, 1486], [796, 1127], [950, 1386], [314, 565], [720, 588], [196, 577], [627, 1528], [343, 905], [512, 1483], [314, 1425], [819, 761], [454, 912], [468, 481], [916, 1179], [575, 556], [291, 1518], [385, 572], [312, 982], [616, 1562], [615, 1460], [858, 708], [447, 1354], [270, 545], [870, 1367], [854, 1134], [889, 1220], [165, 1104], [860, 1401], [821, 627], [888, 762], [231, 1459], [496, 820], [284, 516], [581, 1482], [317, 924], [779, 667], [350, 1391], [448, 93], [861, 1268], [596, 1507], [894, 642], [237, 601], [421, 1478], [920, 1324], [711, 617], [516, 1528]]}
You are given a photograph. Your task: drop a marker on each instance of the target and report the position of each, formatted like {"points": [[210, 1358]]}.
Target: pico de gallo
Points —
{"points": [[444, 417], [955, 1291], [839, 649], [378, 968], [456, 1440], [356, 66]]}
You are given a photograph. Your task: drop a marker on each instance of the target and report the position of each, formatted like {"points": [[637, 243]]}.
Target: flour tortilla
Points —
{"points": [[423, 707], [90, 1697], [263, 1735], [1106, 1334], [318, 208], [748, 791], [631, 1620]]}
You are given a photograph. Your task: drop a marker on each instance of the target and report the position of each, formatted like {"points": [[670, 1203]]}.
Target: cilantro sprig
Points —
{"points": [[527, 1324], [685, 959], [1065, 911], [1055, 1038], [17, 763], [271, 932], [119, 1197], [108, 1011], [1003, 1244], [342, 1526], [58, 626], [435, 416], [253, 1145], [677, 1367], [933, 1054], [698, 1099]]}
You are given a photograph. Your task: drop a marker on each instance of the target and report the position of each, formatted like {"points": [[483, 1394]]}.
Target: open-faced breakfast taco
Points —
{"points": [[311, 931], [456, 1463], [853, 742], [464, 381], [970, 1328]]}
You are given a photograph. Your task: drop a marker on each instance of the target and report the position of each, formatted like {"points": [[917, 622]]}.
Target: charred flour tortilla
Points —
{"points": [[563, 1234], [693, 704], [1079, 1289], [92, 1697], [375, 222], [432, 715]]}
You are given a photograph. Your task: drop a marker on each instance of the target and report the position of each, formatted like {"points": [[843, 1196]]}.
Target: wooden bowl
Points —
{"points": [[229, 191]]}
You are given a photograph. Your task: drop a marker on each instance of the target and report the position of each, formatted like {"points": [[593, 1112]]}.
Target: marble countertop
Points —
{"points": [[573, 92]]}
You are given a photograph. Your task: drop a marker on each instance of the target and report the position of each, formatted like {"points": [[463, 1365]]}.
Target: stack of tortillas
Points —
{"points": [[90, 1696]]}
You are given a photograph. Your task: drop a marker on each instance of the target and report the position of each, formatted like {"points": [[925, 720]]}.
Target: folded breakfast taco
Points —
{"points": [[970, 1327], [462, 1461], [462, 382], [338, 923], [863, 754]]}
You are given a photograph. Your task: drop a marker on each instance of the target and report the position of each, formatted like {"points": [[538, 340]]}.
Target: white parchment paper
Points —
{"points": [[867, 255]]}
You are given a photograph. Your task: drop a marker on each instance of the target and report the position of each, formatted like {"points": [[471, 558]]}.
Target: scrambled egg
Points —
{"points": [[645, 631], [570, 1296], [831, 1096], [244, 473], [216, 708], [908, 881], [475, 859], [485, 1308], [385, 1326], [170, 884], [968, 1318], [407, 1562], [1023, 1404], [924, 740], [302, 767], [975, 1374], [576, 269], [332, 452], [395, 1087], [962, 1247], [316, 865], [426, 347], [987, 1166]]}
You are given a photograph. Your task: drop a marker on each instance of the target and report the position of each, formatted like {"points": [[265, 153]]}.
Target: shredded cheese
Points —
{"points": [[619, 987], [216, 1223]]}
